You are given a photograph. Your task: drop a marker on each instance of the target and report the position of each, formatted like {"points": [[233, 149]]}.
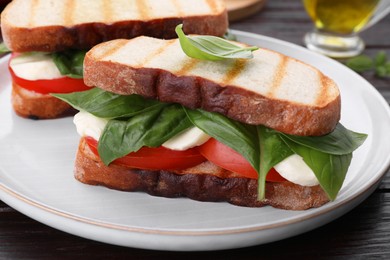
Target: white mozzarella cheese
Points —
{"points": [[295, 170], [187, 139], [89, 125], [35, 66]]}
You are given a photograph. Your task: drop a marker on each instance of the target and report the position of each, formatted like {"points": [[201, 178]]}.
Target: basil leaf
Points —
{"points": [[339, 141], [70, 63], [381, 71], [151, 128], [329, 169], [363, 63], [272, 151], [360, 63], [387, 66], [3, 48], [380, 58], [240, 137], [211, 48], [105, 104]]}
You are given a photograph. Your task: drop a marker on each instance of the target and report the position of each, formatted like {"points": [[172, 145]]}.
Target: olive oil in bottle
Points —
{"points": [[340, 16]]}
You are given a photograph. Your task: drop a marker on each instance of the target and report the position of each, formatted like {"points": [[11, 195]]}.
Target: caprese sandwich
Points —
{"points": [[252, 132]]}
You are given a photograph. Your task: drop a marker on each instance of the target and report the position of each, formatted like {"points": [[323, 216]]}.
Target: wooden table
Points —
{"points": [[364, 232]]}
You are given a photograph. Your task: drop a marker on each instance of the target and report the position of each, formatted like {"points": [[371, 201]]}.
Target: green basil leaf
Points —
{"points": [[360, 63], [339, 141], [105, 104], [329, 169], [380, 58], [212, 48], [387, 66], [70, 63], [272, 151], [381, 71], [151, 128], [3, 48], [240, 137]]}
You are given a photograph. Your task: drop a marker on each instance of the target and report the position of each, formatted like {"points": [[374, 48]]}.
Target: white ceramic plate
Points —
{"points": [[36, 178]]}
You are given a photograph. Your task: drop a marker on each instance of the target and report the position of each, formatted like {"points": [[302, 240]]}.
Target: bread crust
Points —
{"points": [[205, 182], [196, 92], [29, 104], [85, 36]]}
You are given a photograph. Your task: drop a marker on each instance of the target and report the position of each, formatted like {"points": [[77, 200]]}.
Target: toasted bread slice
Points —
{"points": [[205, 182], [271, 89], [48, 25], [33, 105]]}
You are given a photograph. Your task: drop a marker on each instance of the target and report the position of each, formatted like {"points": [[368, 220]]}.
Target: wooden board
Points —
{"points": [[239, 9]]}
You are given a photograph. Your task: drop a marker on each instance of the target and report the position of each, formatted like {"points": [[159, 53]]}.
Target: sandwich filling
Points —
{"points": [[45, 73], [292, 168], [131, 124]]}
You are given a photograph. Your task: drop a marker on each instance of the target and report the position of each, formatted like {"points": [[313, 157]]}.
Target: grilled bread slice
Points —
{"points": [[271, 89], [50, 25], [215, 184]]}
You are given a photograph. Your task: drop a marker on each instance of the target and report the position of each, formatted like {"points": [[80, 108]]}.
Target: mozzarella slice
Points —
{"points": [[35, 66], [295, 170], [187, 139], [89, 125]]}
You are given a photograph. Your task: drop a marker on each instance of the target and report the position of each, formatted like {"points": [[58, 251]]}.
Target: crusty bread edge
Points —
{"points": [[85, 36], [194, 184], [32, 105]]}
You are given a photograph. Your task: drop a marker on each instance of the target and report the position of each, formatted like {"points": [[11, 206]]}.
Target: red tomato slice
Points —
{"points": [[274, 176], [225, 157], [159, 158], [46, 86]]}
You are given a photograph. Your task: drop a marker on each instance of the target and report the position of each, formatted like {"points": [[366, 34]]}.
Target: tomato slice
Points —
{"points": [[159, 158], [274, 176], [47, 86], [225, 157]]}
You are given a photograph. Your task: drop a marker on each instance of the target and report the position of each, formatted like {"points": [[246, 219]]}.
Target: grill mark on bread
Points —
{"points": [[34, 5], [280, 72], [178, 8], [155, 53], [235, 71], [69, 12], [212, 5], [142, 9], [110, 51], [187, 67], [323, 93], [107, 10]]}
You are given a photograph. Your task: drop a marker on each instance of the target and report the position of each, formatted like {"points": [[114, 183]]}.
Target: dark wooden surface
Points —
{"points": [[363, 233]]}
